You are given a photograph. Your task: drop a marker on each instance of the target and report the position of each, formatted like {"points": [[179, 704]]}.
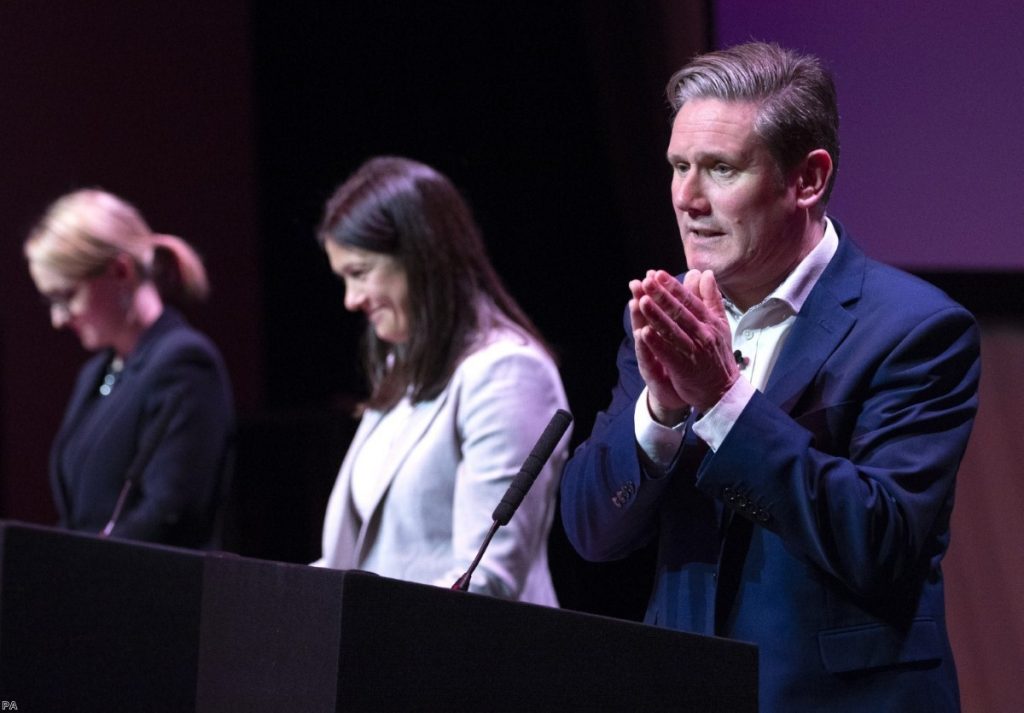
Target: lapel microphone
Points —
{"points": [[741, 361]]}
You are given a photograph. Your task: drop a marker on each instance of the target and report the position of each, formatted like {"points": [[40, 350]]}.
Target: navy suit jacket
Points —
{"points": [[817, 529], [168, 422]]}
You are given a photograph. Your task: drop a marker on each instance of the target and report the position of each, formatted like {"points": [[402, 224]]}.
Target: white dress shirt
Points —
{"points": [[371, 467], [759, 334]]}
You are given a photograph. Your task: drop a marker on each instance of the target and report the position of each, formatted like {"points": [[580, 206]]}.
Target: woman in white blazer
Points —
{"points": [[461, 387]]}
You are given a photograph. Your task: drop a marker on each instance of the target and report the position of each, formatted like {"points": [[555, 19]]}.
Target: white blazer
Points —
{"points": [[448, 471]]}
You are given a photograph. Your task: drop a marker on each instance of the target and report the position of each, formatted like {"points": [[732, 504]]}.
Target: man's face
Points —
{"points": [[737, 214]]}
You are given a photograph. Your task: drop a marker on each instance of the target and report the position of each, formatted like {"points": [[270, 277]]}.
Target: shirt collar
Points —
{"points": [[798, 284]]}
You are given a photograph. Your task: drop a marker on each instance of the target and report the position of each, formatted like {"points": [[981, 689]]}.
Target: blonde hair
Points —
{"points": [[81, 232]]}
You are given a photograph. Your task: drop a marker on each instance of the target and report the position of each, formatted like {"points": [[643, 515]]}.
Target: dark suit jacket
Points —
{"points": [[817, 528], [168, 422]]}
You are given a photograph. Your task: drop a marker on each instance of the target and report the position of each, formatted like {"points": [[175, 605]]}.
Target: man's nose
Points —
{"points": [[688, 194]]}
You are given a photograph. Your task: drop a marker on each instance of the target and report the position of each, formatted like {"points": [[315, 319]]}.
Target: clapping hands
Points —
{"points": [[683, 342]]}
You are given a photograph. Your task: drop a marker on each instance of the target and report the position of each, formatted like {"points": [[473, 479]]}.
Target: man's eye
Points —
{"points": [[681, 167], [723, 169]]}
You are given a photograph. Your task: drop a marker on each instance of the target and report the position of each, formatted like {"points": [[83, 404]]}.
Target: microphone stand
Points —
{"points": [[519, 486], [145, 454]]}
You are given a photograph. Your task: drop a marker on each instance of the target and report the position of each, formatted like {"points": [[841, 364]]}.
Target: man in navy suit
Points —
{"points": [[790, 415]]}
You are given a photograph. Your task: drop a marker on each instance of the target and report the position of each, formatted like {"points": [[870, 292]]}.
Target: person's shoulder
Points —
{"points": [[175, 340], [504, 344], [509, 368], [506, 353], [886, 287], [903, 293]]}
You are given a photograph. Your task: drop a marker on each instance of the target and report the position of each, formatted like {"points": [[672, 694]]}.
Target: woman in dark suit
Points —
{"points": [[145, 444]]}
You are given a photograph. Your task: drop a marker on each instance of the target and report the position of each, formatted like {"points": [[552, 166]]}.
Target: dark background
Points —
{"points": [[229, 123], [523, 106]]}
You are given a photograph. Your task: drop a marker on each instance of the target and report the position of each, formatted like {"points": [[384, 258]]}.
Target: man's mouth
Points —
{"points": [[703, 233]]}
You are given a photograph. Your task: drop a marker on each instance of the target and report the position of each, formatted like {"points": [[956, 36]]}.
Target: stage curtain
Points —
{"points": [[984, 568]]}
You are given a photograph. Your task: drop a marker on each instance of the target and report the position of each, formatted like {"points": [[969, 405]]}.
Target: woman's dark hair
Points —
{"points": [[412, 212]]}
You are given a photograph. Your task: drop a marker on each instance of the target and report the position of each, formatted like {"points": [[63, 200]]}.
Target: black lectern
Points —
{"points": [[101, 625]]}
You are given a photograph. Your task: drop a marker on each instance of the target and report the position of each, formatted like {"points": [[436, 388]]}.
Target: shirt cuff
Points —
{"points": [[717, 421], [659, 443]]}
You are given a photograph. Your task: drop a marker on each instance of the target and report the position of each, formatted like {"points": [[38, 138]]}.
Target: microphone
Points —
{"points": [[741, 361], [142, 458], [520, 485]]}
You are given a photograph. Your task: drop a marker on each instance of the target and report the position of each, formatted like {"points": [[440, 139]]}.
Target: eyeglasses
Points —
{"points": [[60, 300]]}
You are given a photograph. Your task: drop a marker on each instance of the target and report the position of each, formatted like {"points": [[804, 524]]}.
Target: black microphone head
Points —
{"points": [[545, 446], [517, 490]]}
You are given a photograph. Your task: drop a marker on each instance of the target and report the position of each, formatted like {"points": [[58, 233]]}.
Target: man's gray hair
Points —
{"points": [[797, 110]]}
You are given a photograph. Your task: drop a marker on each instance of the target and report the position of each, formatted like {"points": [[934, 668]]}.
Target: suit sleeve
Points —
{"points": [[609, 504], [862, 489], [184, 444]]}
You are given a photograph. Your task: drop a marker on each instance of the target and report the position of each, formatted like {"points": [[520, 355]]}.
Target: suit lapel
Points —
{"points": [[106, 409], [88, 380], [341, 521], [814, 337], [823, 322], [85, 390], [420, 420]]}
